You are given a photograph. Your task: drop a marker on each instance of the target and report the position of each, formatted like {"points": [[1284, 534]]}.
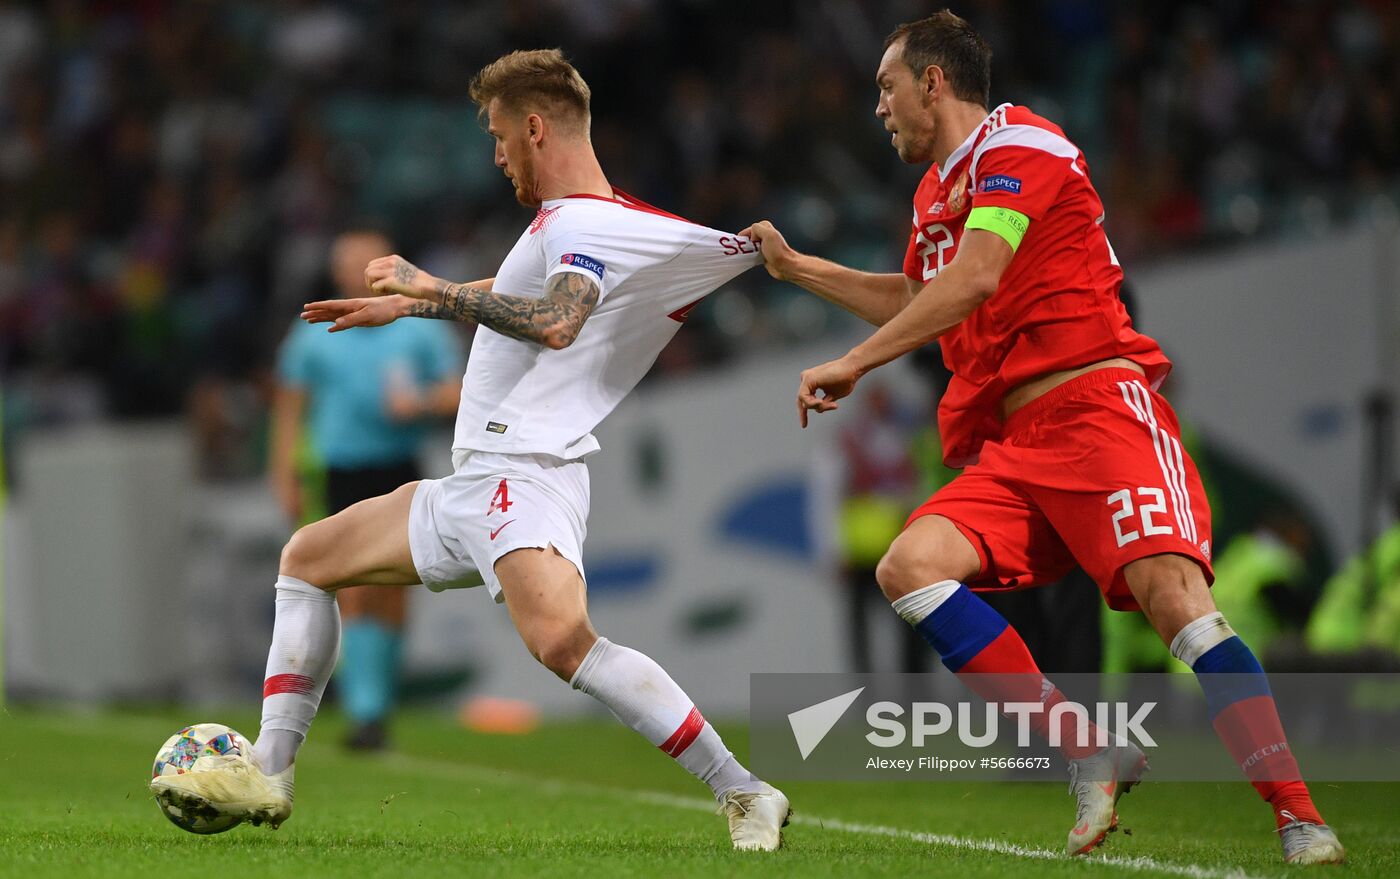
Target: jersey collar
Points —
{"points": [[966, 146], [615, 197], [622, 199]]}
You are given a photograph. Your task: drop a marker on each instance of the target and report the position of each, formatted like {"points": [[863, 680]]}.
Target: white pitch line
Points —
{"points": [[939, 840]]}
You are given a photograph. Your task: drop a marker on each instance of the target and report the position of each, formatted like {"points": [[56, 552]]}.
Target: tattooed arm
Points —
{"points": [[371, 311], [553, 320]]}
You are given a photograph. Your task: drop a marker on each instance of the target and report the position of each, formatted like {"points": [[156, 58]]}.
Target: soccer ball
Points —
{"points": [[182, 753]]}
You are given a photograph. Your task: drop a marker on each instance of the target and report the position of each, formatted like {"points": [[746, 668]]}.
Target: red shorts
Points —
{"points": [[1091, 473]]}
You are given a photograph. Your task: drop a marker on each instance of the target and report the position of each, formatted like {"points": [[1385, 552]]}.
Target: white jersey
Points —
{"points": [[525, 398]]}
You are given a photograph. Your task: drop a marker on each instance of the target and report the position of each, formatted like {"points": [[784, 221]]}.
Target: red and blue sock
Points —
{"points": [[978, 645], [1244, 714]]}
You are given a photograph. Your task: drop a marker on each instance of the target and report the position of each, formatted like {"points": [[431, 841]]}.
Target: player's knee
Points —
{"points": [[911, 564], [905, 568], [930, 550], [304, 556], [561, 648], [888, 574], [1171, 590]]}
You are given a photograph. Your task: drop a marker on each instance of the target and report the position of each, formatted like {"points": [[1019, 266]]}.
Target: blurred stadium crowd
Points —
{"points": [[171, 173]]}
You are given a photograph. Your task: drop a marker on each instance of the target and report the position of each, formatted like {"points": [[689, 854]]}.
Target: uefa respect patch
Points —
{"points": [[1000, 183], [587, 263]]}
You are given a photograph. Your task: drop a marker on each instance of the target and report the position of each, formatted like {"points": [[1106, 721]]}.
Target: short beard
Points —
{"points": [[528, 197], [916, 153], [527, 190]]}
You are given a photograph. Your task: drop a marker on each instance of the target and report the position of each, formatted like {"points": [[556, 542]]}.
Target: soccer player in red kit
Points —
{"points": [[1070, 454]]}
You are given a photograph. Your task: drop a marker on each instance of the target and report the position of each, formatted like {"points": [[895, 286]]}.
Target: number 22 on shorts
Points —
{"points": [[1124, 501]]}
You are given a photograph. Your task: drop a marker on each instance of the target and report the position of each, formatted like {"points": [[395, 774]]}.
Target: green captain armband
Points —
{"points": [[1010, 225]]}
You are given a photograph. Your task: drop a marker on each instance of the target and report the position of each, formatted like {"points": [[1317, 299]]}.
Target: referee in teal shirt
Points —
{"points": [[365, 399]]}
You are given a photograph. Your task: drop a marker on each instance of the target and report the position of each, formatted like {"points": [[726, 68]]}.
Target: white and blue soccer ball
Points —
{"points": [[181, 753]]}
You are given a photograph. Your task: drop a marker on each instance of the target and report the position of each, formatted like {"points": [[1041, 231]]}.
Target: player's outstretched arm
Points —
{"points": [[370, 311], [344, 314], [944, 302], [553, 320], [872, 297]]}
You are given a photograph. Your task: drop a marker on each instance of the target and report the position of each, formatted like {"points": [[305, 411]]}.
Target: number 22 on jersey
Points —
{"points": [[933, 242]]}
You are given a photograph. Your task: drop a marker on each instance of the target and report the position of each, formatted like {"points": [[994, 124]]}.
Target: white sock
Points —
{"points": [[305, 645], [917, 605], [1197, 637], [640, 694]]}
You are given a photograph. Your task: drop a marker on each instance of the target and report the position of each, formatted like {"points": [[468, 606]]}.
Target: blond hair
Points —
{"points": [[537, 81]]}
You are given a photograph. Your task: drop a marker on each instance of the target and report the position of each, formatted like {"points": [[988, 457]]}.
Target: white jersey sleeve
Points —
{"points": [[572, 246], [520, 397]]}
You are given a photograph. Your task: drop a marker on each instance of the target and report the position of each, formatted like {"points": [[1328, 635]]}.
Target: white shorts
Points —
{"points": [[493, 504]]}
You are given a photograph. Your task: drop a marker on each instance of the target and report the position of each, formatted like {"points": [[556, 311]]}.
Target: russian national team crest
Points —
{"points": [[957, 196]]}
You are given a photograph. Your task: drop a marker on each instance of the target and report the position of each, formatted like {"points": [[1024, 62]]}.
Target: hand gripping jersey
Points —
{"points": [[1057, 306], [650, 266]]}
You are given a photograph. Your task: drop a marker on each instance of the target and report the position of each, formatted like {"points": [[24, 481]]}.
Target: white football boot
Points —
{"points": [[232, 785], [1096, 783], [1305, 843], [756, 818]]}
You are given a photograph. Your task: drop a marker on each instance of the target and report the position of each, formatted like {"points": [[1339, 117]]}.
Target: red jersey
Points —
{"points": [[1057, 305]]}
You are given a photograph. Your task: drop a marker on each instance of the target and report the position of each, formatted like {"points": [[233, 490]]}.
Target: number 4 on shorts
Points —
{"points": [[500, 501]]}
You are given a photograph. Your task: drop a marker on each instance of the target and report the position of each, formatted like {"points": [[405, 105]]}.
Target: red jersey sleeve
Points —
{"points": [[1022, 168]]}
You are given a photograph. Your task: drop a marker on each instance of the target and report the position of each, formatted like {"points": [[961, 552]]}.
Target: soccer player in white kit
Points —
{"points": [[592, 291]]}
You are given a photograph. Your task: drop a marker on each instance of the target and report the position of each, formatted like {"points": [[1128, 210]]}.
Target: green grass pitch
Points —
{"points": [[590, 798]]}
